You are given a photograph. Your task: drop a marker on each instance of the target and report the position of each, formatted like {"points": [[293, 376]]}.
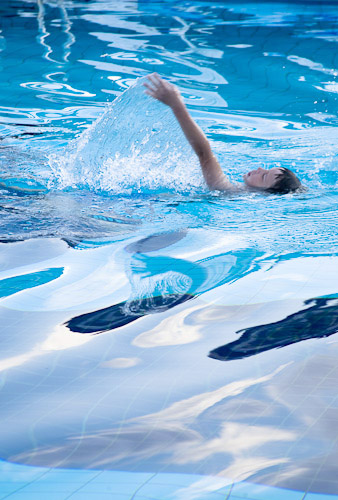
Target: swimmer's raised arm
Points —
{"points": [[168, 94]]}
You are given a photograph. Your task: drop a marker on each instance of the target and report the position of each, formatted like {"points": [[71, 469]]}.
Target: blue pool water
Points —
{"points": [[159, 341]]}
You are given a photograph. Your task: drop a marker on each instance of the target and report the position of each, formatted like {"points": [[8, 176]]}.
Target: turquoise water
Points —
{"points": [[158, 340]]}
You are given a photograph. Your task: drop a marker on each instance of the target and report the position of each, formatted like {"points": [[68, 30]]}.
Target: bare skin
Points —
{"points": [[259, 179]]}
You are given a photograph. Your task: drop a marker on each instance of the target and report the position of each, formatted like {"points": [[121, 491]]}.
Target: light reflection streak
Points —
{"points": [[67, 30], [236, 439], [205, 485], [241, 470], [173, 330], [44, 33], [214, 53], [118, 21], [302, 61], [58, 340], [189, 409], [184, 445]]}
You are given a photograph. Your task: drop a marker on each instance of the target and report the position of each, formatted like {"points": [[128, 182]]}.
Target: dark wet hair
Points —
{"points": [[286, 182]]}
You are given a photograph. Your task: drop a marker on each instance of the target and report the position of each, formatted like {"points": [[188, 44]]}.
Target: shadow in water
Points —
{"points": [[155, 242], [318, 321], [121, 314], [161, 282]]}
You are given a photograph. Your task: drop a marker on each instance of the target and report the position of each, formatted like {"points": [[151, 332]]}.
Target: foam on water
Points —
{"points": [[136, 145]]}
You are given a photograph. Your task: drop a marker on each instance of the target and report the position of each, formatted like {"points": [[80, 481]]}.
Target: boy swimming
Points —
{"points": [[278, 180]]}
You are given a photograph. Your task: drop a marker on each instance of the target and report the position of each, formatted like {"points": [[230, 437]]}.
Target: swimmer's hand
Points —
{"points": [[168, 94], [163, 91]]}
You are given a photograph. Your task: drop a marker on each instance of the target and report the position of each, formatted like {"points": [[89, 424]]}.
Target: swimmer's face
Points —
{"points": [[262, 178]]}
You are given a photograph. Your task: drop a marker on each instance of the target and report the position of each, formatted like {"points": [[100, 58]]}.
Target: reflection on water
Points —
{"points": [[149, 398], [317, 321], [17, 283]]}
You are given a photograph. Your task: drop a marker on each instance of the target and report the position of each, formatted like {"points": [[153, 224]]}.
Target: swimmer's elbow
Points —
{"points": [[213, 175]]}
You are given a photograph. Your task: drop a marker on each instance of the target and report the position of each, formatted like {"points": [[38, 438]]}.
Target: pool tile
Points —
{"points": [[93, 496], [21, 495], [177, 496], [10, 487], [163, 491], [46, 487], [320, 496], [18, 472], [69, 476], [261, 492], [178, 479], [141, 497], [178, 492], [327, 488], [233, 497], [113, 487], [124, 477]]}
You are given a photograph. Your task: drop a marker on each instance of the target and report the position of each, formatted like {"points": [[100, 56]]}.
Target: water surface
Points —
{"points": [[149, 325]]}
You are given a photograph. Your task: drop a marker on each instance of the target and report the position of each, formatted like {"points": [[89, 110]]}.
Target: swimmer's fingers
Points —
{"points": [[154, 89], [150, 90], [155, 79], [159, 85], [161, 90], [154, 93]]}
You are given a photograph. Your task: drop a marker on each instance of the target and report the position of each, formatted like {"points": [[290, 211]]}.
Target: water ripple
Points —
{"points": [[56, 88]]}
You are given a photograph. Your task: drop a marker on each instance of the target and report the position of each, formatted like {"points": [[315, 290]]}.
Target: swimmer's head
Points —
{"points": [[277, 180]]}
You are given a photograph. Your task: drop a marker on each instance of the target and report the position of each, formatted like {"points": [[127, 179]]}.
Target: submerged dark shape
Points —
{"points": [[156, 242], [318, 321], [11, 240], [166, 281], [121, 314]]}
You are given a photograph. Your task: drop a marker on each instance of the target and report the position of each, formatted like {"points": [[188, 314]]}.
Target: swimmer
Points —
{"points": [[278, 180]]}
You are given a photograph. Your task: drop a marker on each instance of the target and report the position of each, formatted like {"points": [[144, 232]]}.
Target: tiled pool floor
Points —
{"points": [[21, 482]]}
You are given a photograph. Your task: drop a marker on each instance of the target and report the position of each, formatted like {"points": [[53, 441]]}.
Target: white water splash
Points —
{"points": [[136, 145]]}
